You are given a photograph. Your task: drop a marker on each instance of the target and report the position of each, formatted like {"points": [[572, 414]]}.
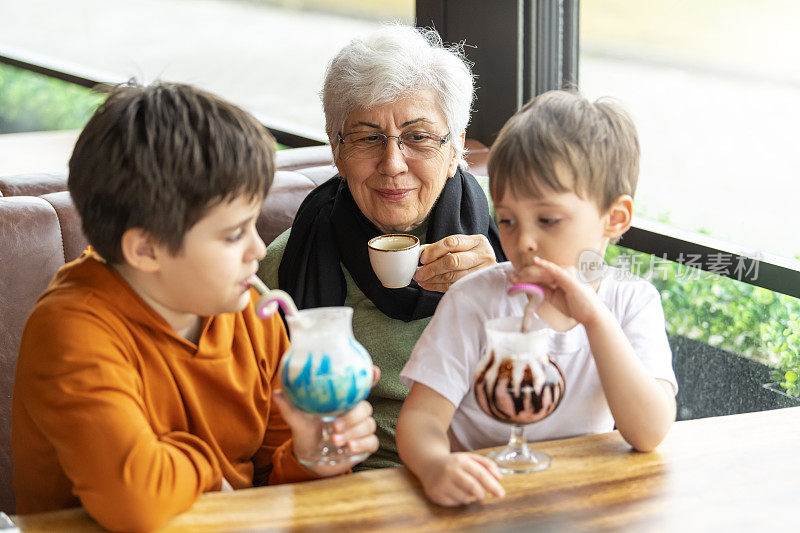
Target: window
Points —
{"points": [[267, 56], [713, 88]]}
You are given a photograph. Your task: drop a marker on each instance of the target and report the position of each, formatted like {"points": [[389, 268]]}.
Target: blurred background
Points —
{"points": [[713, 85]]}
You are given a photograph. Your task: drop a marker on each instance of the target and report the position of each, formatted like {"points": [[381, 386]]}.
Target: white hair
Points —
{"points": [[394, 62]]}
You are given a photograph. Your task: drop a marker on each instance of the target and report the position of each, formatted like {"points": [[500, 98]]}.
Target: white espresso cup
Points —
{"points": [[394, 258]]}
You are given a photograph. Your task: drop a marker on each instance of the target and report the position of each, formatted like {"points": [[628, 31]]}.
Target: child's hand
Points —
{"points": [[563, 290], [356, 429], [462, 478]]}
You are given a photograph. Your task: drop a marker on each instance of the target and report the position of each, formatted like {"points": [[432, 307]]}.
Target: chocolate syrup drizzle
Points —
{"points": [[554, 382]]}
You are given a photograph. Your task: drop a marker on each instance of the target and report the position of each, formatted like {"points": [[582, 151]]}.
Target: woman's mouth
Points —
{"points": [[394, 195]]}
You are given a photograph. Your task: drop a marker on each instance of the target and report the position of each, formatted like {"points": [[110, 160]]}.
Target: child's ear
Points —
{"points": [[619, 216], [139, 250], [451, 170]]}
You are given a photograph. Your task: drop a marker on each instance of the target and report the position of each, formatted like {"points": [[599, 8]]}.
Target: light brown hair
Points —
{"points": [[158, 158], [595, 141]]}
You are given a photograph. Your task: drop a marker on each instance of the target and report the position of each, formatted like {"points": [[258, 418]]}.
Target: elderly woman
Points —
{"points": [[396, 107]]}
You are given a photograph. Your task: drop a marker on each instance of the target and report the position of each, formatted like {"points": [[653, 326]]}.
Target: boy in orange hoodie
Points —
{"points": [[145, 377]]}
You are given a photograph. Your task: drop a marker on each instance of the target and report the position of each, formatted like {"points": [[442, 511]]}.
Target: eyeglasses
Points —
{"points": [[370, 144]]}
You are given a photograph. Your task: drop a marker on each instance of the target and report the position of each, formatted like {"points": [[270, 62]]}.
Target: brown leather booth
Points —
{"points": [[40, 232]]}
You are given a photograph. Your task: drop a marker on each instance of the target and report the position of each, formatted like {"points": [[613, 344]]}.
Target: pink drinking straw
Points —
{"points": [[535, 298], [270, 299]]}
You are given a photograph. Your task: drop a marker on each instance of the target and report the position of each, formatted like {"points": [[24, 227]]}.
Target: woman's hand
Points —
{"points": [[356, 429], [450, 259], [462, 478]]}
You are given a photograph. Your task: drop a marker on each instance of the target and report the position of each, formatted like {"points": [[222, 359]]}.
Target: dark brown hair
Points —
{"points": [[158, 158], [595, 142]]}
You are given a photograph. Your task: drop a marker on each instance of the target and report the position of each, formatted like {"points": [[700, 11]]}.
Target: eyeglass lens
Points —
{"points": [[413, 144]]}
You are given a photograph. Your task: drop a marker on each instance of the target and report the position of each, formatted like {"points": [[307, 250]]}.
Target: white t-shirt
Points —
{"points": [[447, 354]]}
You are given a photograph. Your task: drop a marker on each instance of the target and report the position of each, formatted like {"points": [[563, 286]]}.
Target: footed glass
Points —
{"points": [[326, 372], [516, 382]]}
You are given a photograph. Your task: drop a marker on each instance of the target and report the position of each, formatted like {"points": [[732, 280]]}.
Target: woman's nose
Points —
{"points": [[392, 160]]}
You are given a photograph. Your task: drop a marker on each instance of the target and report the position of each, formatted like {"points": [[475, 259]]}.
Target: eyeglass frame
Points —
{"points": [[442, 140]]}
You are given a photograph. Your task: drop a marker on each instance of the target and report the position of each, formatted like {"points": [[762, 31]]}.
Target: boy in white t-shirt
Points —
{"points": [[563, 172]]}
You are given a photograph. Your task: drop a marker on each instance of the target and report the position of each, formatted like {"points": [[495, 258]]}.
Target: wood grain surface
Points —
{"points": [[732, 473]]}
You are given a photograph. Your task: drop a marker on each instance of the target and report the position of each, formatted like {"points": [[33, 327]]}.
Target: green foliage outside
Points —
{"points": [[34, 102], [785, 340], [725, 313]]}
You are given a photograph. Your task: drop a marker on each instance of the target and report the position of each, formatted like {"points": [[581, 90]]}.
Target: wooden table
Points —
{"points": [[732, 473]]}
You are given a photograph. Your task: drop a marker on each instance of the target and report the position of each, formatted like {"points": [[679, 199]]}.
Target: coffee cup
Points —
{"points": [[394, 258]]}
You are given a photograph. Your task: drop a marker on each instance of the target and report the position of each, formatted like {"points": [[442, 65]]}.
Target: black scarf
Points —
{"points": [[329, 228]]}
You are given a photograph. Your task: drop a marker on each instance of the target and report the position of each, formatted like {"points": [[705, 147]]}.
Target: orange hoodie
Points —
{"points": [[114, 410]]}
